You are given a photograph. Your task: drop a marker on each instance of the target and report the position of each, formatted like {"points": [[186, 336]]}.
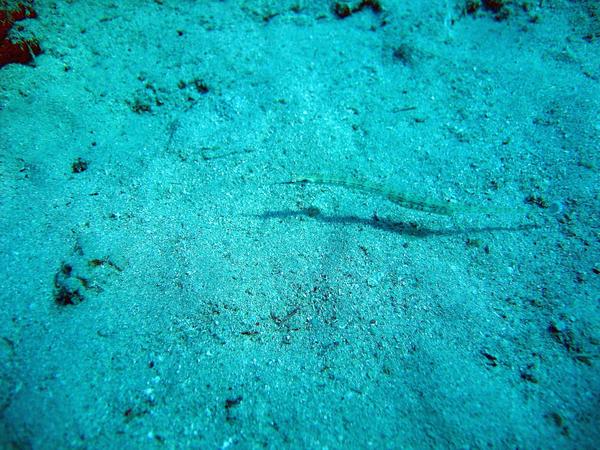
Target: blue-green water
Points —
{"points": [[433, 284]]}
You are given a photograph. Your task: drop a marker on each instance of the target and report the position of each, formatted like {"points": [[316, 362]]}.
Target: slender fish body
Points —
{"points": [[399, 198]]}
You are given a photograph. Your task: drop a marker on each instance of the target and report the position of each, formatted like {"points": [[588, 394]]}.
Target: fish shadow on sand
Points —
{"points": [[406, 228]]}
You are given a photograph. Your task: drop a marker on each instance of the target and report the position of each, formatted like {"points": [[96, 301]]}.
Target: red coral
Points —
{"points": [[22, 51]]}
